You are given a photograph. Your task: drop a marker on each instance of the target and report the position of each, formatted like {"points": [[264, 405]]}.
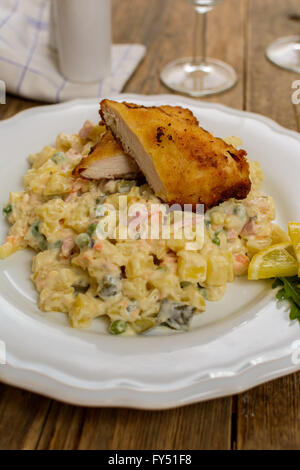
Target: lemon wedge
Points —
{"points": [[278, 235], [276, 261], [294, 232]]}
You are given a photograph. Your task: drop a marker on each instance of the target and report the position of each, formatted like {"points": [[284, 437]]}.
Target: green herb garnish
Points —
{"points": [[40, 238], [290, 291], [216, 240], [125, 186], [56, 245], [43, 244], [240, 211], [100, 199], [7, 210], [184, 284], [35, 228]]}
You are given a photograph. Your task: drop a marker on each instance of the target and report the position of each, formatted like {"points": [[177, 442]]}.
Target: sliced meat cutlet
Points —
{"points": [[107, 160], [182, 162]]}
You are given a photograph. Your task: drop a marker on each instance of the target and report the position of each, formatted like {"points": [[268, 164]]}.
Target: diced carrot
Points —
{"points": [[98, 246], [240, 264], [13, 240]]}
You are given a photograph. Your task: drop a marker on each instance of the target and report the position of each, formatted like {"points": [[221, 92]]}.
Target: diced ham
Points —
{"points": [[86, 129], [67, 246], [231, 234], [249, 228]]}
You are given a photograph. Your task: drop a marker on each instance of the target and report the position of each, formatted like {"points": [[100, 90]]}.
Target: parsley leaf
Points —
{"points": [[277, 282], [281, 294], [295, 312], [290, 291]]}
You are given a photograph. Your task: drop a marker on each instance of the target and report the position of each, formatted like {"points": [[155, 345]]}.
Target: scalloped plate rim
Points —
{"points": [[237, 375]]}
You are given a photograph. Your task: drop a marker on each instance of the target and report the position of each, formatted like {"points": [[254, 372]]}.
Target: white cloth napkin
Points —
{"points": [[29, 66]]}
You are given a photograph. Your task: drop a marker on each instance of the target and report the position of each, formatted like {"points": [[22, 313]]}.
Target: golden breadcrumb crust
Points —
{"points": [[193, 165]]}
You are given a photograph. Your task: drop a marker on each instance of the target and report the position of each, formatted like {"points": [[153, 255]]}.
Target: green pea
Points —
{"points": [[92, 229], [7, 210], [207, 223], [58, 157], [82, 240], [118, 327]]}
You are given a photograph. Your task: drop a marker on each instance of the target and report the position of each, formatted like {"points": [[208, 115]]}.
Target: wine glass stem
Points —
{"points": [[199, 56]]}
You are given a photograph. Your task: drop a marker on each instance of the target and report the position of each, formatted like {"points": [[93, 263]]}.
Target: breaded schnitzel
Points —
{"points": [[182, 162]]}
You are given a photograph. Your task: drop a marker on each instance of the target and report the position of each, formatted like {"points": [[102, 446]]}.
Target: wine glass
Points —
{"points": [[199, 75], [285, 52]]}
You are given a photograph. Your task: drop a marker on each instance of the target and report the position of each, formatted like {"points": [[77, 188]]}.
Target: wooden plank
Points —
{"points": [[22, 416], [64, 426], [202, 426], [268, 86], [269, 415], [167, 32]]}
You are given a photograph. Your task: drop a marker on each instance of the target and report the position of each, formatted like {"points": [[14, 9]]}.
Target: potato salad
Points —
{"points": [[135, 283]]}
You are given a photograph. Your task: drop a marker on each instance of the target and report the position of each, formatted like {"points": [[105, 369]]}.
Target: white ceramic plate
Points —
{"points": [[239, 342]]}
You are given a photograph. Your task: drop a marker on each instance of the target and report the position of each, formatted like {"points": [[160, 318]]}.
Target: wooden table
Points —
{"points": [[267, 417]]}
